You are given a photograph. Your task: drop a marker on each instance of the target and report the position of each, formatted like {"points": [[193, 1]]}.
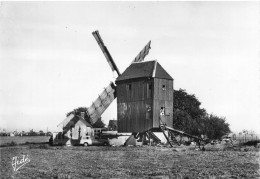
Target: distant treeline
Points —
{"points": [[23, 133]]}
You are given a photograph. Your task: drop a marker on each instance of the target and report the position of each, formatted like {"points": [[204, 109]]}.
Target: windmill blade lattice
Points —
{"points": [[101, 103], [140, 57], [106, 52]]}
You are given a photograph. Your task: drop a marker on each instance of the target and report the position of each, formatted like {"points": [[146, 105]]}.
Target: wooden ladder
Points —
{"points": [[151, 135], [171, 139]]}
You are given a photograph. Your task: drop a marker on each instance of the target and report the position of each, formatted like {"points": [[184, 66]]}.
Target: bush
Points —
{"points": [[9, 144], [43, 146], [38, 146], [251, 143], [12, 143]]}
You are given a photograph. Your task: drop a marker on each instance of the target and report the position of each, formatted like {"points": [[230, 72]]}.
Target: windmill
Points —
{"points": [[144, 93]]}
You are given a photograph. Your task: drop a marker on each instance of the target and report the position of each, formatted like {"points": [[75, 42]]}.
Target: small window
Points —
{"points": [[149, 91], [163, 87], [129, 87]]}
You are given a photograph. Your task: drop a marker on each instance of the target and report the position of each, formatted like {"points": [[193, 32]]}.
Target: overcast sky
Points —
{"points": [[50, 63]]}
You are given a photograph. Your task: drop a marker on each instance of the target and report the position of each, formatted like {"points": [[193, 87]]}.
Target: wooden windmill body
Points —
{"points": [[144, 94]]}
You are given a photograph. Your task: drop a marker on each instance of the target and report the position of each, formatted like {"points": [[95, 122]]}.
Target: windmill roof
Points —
{"points": [[73, 119], [144, 69], [84, 121]]}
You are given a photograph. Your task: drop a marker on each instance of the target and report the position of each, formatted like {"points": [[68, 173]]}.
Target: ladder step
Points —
{"points": [[154, 137]]}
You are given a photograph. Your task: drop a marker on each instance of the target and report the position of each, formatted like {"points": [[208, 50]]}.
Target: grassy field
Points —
{"points": [[128, 162], [5, 140]]}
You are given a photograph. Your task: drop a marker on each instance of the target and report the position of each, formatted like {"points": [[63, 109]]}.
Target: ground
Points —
{"points": [[127, 162]]}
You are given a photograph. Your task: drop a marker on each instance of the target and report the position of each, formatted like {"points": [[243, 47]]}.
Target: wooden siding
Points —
{"points": [[137, 110], [134, 106], [134, 117]]}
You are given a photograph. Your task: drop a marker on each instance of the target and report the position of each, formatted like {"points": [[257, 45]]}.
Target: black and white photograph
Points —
{"points": [[129, 89]]}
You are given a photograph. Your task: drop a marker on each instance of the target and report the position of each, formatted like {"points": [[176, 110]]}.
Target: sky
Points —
{"points": [[51, 64]]}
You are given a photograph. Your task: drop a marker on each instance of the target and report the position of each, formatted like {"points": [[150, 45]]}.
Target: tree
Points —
{"points": [[187, 112], [99, 124], [77, 111], [41, 132], [188, 103], [216, 127], [32, 133], [191, 118]]}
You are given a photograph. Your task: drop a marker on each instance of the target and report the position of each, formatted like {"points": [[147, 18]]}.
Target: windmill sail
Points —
{"points": [[65, 122], [95, 111], [101, 103], [106, 52], [140, 57]]}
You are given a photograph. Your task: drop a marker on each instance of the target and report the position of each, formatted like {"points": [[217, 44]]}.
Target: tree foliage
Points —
{"points": [[99, 123], [112, 125], [77, 111], [191, 118]]}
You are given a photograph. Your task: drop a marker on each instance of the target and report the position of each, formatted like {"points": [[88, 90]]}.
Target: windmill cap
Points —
{"points": [[144, 69]]}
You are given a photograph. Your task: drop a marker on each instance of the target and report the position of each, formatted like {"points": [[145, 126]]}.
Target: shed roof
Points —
{"points": [[72, 120], [84, 121], [144, 69]]}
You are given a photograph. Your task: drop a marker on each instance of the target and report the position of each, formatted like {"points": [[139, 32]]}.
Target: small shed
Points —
{"points": [[81, 129], [144, 96], [75, 127]]}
